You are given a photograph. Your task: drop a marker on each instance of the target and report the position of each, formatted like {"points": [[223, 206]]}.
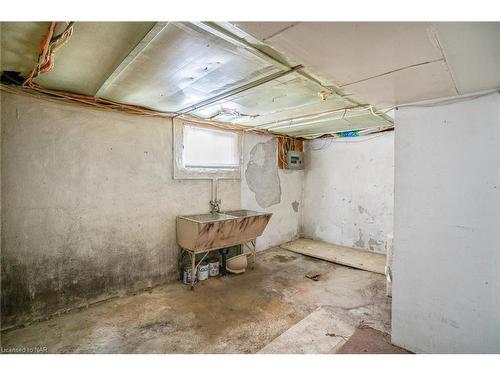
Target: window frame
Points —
{"points": [[181, 172]]}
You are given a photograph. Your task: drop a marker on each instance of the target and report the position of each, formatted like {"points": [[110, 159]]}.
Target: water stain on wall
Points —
{"points": [[360, 242], [262, 174], [374, 244], [49, 284]]}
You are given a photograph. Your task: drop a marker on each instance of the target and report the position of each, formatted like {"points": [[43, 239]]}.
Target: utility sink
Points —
{"points": [[243, 213], [205, 232]]}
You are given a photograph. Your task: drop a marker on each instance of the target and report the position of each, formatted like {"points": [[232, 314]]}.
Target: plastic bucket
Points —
{"points": [[203, 271], [213, 267], [186, 276]]}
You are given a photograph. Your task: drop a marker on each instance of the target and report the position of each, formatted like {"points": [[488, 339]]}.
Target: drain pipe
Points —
{"points": [[215, 182], [215, 202]]}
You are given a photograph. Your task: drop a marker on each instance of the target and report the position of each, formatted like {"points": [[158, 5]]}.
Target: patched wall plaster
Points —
{"points": [[261, 174], [266, 188]]}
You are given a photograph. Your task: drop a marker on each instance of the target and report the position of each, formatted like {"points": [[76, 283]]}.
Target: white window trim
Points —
{"points": [[183, 173]]}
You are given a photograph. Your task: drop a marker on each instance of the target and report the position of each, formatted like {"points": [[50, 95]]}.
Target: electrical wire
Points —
{"points": [[272, 126], [333, 140], [50, 44], [433, 103], [323, 146], [312, 116], [359, 139], [447, 101], [108, 105]]}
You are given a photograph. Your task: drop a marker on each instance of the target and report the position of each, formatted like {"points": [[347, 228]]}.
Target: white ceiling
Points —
{"points": [[199, 68], [473, 53], [95, 49], [20, 44], [390, 63], [204, 68], [181, 65]]}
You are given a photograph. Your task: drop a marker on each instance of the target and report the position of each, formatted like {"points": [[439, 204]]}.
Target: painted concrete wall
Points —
{"points": [[348, 191], [88, 205], [446, 270], [266, 188]]}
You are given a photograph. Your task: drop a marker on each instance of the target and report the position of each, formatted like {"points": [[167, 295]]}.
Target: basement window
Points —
{"points": [[204, 152]]}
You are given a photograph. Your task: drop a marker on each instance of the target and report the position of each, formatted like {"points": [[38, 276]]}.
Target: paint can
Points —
{"points": [[203, 271], [213, 267], [186, 276]]}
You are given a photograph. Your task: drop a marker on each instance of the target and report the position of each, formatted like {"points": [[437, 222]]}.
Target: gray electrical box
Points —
{"points": [[294, 160]]}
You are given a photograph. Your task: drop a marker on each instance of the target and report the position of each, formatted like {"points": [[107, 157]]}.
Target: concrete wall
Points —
{"points": [[446, 270], [348, 187], [88, 205], [266, 188]]}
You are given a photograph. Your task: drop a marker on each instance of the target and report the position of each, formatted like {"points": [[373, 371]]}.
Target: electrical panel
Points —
{"points": [[294, 160]]}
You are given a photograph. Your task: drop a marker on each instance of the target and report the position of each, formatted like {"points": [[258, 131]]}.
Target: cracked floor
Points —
{"points": [[262, 309]]}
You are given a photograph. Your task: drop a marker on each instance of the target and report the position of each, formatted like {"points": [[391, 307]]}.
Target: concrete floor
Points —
{"points": [[267, 309], [368, 340]]}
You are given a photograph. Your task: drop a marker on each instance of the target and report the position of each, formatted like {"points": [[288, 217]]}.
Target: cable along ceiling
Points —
{"points": [[204, 70]]}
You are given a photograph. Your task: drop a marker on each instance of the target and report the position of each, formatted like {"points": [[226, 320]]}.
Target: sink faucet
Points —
{"points": [[215, 206]]}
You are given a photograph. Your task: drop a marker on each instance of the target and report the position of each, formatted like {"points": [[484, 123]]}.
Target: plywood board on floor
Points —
{"points": [[347, 256]]}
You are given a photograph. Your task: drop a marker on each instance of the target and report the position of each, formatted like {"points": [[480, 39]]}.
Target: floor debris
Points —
{"points": [[335, 335], [313, 275]]}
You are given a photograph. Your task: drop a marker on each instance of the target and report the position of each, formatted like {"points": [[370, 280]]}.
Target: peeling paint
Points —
{"points": [[295, 206], [262, 174]]}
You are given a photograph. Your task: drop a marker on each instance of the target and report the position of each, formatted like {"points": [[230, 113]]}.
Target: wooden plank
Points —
{"points": [[347, 256]]}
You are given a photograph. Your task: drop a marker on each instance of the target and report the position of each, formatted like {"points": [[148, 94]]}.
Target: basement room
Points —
{"points": [[250, 187]]}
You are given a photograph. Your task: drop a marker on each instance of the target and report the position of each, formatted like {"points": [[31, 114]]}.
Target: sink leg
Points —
{"points": [[223, 253], [193, 270], [254, 251]]}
